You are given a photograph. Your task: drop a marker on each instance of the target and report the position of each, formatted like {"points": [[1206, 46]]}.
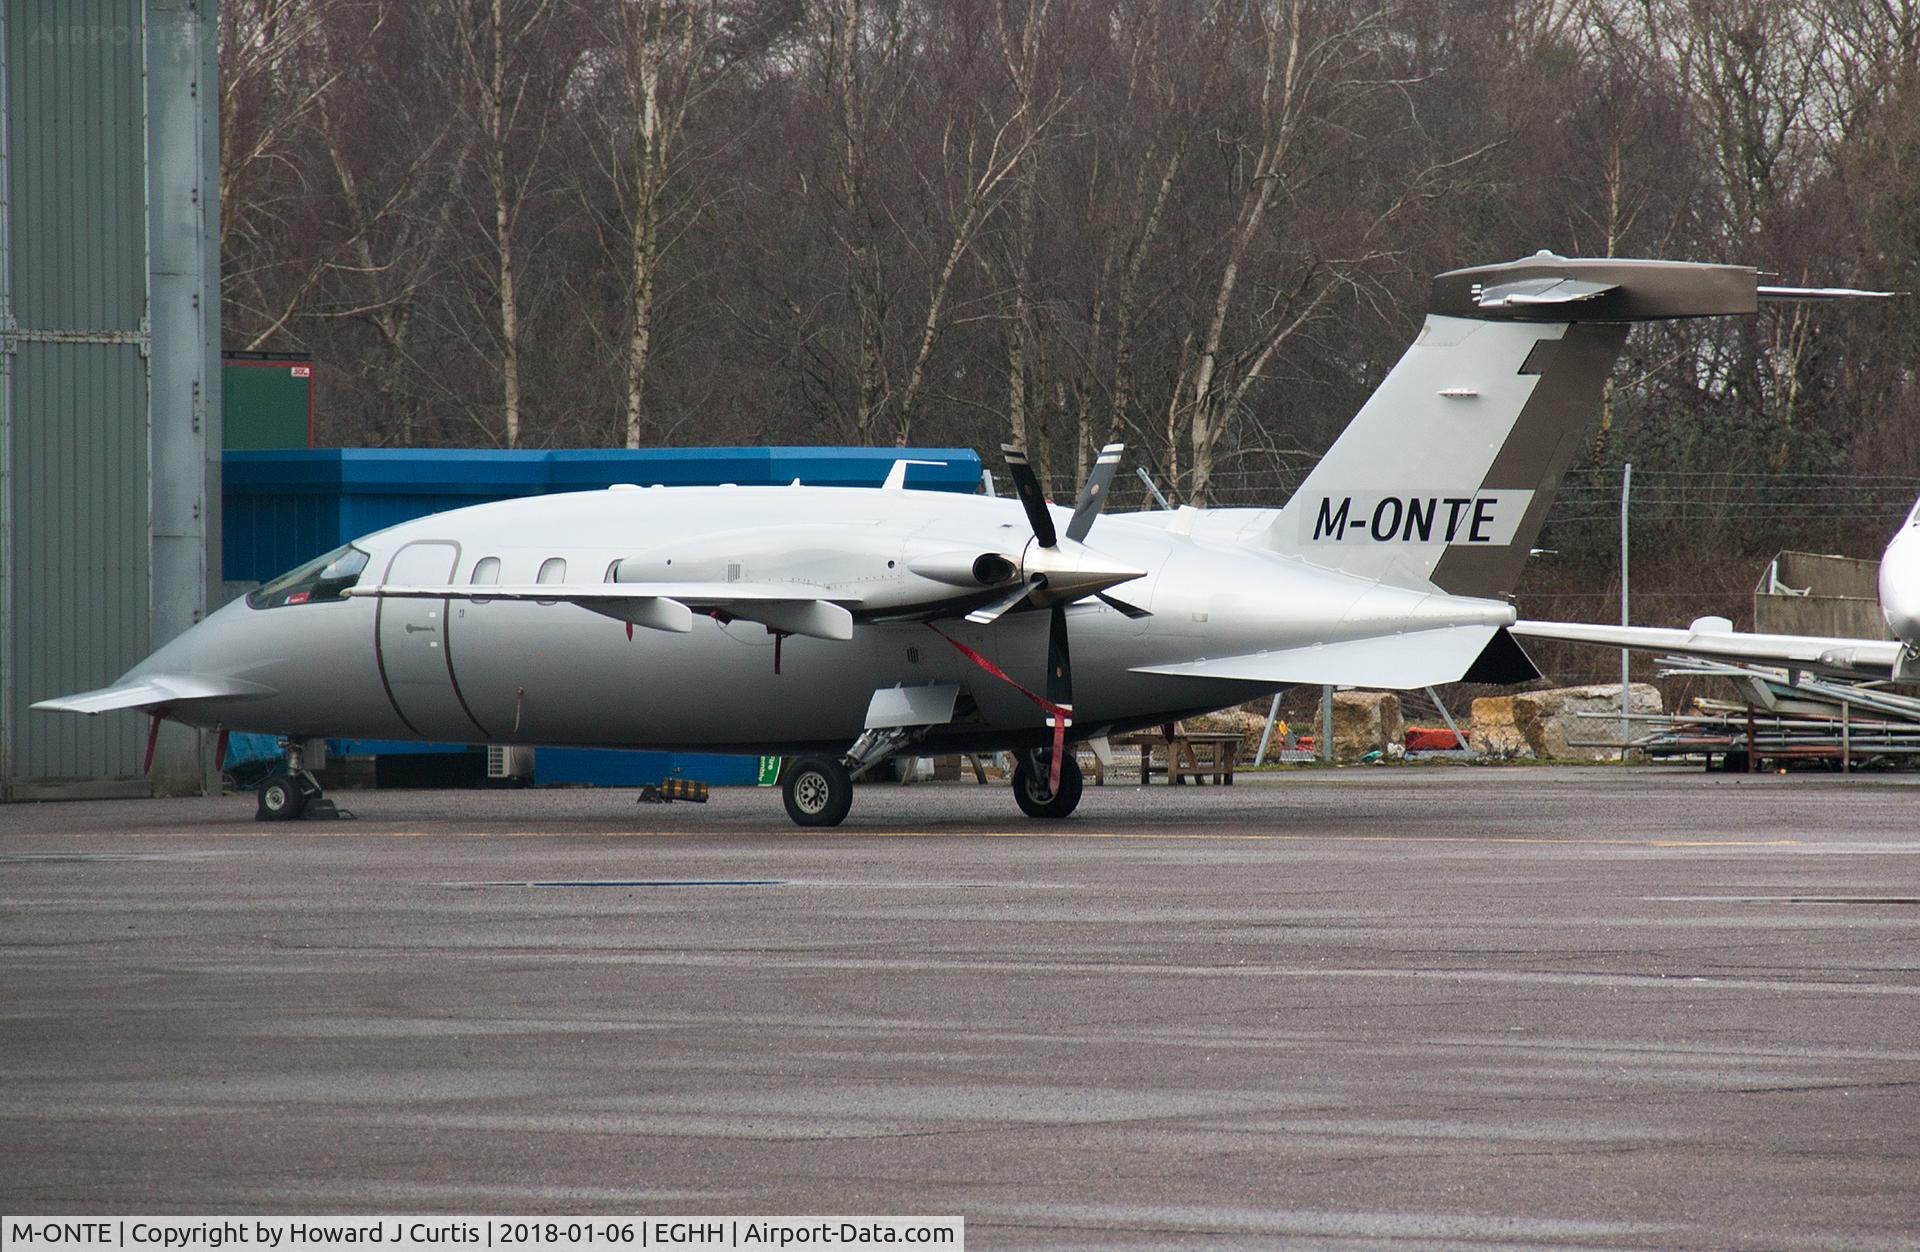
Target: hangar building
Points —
{"points": [[109, 375]]}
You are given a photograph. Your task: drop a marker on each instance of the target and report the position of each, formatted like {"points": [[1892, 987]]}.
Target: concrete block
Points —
{"points": [[1548, 721], [1366, 721], [1492, 731]]}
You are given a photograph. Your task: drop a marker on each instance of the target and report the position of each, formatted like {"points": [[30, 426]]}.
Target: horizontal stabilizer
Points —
{"points": [[793, 608], [1709, 638], [1448, 472], [154, 691], [1422, 658]]}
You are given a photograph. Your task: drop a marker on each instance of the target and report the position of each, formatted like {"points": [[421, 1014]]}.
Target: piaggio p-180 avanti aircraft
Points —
{"points": [[839, 627]]}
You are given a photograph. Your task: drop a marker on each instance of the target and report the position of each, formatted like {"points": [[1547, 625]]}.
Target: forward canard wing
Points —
{"points": [[155, 691]]}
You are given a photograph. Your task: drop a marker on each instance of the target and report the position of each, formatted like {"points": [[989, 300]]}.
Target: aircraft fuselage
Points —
{"points": [[554, 673]]}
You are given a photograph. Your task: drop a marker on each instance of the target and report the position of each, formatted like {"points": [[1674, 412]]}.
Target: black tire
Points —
{"points": [[282, 798], [1030, 785], [818, 791]]}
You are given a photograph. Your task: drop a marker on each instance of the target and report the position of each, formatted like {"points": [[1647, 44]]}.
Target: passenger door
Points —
{"points": [[415, 661]]}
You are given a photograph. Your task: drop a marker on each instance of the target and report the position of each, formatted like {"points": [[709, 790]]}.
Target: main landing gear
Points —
{"points": [[290, 792], [818, 790]]}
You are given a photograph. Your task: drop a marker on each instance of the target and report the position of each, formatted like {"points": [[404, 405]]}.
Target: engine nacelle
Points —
{"points": [[967, 569]]}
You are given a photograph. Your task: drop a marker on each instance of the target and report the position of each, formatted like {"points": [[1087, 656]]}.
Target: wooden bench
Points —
{"points": [[1199, 755]]}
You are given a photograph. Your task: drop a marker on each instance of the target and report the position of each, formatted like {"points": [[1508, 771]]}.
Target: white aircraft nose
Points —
{"points": [[1900, 585]]}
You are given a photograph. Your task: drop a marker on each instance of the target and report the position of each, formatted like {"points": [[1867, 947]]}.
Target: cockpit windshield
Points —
{"points": [[323, 578]]}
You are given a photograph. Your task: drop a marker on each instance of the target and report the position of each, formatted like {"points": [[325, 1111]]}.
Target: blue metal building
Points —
{"points": [[286, 506]]}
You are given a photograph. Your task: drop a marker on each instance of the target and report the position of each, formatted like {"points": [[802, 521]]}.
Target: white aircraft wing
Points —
{"points": [[155, 691], [795, 608], [1709, 637], [1420, 658]]}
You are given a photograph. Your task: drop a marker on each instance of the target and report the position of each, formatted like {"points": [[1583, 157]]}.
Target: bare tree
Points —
{"points": [[496, 73], [991, 155], [1318, 61], [663, 58], [395, 209], [270, 91], [860, 54]]}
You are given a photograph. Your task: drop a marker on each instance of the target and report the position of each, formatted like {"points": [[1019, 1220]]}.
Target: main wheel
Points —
{"points": [[818, 791], [1030, 789], [281, 798]]}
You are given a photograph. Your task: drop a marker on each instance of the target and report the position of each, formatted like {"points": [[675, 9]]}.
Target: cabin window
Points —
{"points": [[553, 570], [323, 578], [487, 571]]}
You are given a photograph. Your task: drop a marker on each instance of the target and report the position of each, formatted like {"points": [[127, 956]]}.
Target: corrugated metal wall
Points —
{"points": [[76, 588], [183, 378]]}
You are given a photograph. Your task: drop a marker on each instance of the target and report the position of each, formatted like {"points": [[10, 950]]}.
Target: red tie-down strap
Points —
{"points": [[1059, 716]]}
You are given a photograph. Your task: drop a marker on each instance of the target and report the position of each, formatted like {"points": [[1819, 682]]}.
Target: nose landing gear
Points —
{"points": [[291, 792]]}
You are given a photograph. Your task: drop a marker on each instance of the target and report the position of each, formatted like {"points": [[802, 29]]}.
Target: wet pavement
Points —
{"points": [[1433, 1007]]}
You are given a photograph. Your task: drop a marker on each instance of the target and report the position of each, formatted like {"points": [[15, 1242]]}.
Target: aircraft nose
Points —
{"points": [[197, 650], [1900, 585]]}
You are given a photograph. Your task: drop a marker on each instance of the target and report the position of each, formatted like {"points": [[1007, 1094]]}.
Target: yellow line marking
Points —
{"points": [[800, 836]]}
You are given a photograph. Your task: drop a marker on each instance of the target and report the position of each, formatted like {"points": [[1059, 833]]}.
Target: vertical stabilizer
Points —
{"points": [[1446, 474]]}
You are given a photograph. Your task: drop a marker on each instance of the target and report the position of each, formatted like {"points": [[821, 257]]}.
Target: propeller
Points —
{"points": [[1057, 574], [1093, 495], [1032, 499]]}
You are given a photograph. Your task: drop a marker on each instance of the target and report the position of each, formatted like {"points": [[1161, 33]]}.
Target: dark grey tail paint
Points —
{"points": [[1545, 439]]}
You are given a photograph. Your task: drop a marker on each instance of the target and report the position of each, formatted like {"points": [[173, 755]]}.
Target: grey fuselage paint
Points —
{"points": [[559, 674]]}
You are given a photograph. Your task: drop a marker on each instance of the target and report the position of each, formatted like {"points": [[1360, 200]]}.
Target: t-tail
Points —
{"points": [[1447, 473]]}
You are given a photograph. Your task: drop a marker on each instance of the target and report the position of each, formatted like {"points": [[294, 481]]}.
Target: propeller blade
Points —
{"points": [[987, 614], [1133, 611], [1032, 499], [1059, 691], [1059, 664], [1093, 496]]}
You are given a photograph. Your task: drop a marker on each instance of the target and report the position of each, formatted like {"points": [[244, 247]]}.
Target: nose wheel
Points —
{"points": [[291, 793], [283, 797], [1032, 792]]}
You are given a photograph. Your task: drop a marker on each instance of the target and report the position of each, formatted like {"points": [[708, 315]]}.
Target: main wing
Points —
{"points": [[1714, 637], [795, 608]]}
